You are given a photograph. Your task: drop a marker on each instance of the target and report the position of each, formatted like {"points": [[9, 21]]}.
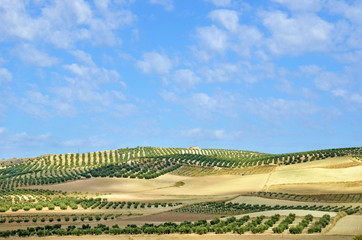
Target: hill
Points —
{"points": [[147, 185]]}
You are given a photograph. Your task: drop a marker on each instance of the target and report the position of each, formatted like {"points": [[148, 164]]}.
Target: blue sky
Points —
{"points": [[272, 76]]}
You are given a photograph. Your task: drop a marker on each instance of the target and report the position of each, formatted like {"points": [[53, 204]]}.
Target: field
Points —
{"points": [[193, 237], [200, 193]]}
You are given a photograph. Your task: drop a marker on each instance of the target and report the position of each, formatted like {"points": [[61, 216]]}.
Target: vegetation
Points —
{"points": [[219, 226], [339, 198], [284, 224], [357, 237], [27, 199], [230, 208], [322, 223], [303, 224], [148, 162]]}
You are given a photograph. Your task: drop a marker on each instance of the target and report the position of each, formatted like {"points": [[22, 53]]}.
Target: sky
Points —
{"points": [[271, 76]]}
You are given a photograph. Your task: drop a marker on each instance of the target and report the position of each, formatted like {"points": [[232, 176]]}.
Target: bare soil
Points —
{"points": [[175, 217], [348, 225]]}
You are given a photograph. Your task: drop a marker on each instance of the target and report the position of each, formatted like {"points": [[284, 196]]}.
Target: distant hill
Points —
{"points": [[145, 163]]}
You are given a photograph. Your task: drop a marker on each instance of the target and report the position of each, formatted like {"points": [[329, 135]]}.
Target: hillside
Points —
{"points": [[145, 185], [145, 162]]}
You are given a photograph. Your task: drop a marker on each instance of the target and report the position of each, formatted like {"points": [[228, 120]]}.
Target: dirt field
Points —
{"points": [[291, 174], [348, 225], [317, 188], [175, 217], [337, 175], [163, 186], [323, 176]]}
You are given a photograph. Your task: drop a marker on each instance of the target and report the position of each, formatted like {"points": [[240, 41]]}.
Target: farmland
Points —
{"points": [[145, 191]]}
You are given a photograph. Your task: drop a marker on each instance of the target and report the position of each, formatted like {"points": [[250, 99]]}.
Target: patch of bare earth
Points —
{"points": [[349, 225], [343, 165], [317, 188], [175, 217]]}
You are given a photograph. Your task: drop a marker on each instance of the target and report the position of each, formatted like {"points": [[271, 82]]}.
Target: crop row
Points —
{"points": [[40, 199], [198, 171], [351, 198], [148, 163], [244, 224], [237, 208]]}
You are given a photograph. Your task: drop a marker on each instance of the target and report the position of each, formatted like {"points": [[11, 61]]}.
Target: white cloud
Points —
{"points": [[298, 34], [186, 78], [227, 18], [169, 96], [286, 86], [338, 85], [278, 110], [94, 142], [35, 104], [245, 38], [124, 110], [352, 11], [154, 63], [213, 38], [5, 75], [23, 141], [206, 134], [220, 3], [25, 145], [83, 57], [223, 72], [2, 130], [305, 5], [87, 89], [15, 21], [29, 54], [328, 81], [63, 23], [347, 95], [204, 105], [356, 97], [167, 4], [230, 35], [84, 85], [310, 69]]}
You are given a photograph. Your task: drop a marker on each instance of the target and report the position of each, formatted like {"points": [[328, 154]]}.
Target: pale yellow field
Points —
{"points": [[322, 163], [113, 185], [317, 188], [286, 175], [217, 185], [163, 186], [323, 176], [349, 225], [336, 175]]}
